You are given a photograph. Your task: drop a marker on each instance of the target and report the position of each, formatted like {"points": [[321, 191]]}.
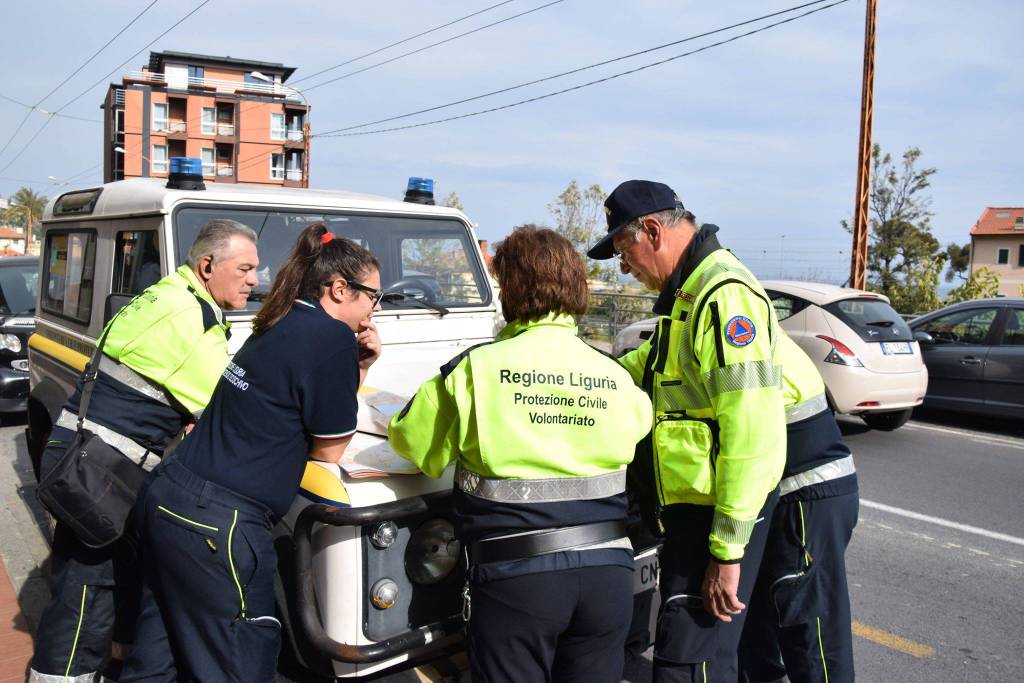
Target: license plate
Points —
{"points": [[895, 348], [645, 571]]}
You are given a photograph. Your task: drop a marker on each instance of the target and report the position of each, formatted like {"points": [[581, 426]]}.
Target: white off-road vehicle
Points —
{"points": [[370, 571]]}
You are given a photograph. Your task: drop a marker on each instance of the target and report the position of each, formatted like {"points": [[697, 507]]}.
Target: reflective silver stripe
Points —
{"points": [[805, 409], [751, 375], [553, 490], [822, 473], [732, 531], [681, 396], [125, 375], [36, 677], [129, 448]]}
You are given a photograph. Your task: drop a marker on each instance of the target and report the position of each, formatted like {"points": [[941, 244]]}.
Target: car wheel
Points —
{"points": [[887, 422]]}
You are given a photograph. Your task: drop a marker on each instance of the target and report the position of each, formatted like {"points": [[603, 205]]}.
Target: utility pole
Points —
{"points": [[859, 255]]}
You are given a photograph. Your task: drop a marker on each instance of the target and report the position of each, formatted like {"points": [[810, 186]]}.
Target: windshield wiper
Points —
{"points": [[257, 296], [882, 323], [393, 297]]}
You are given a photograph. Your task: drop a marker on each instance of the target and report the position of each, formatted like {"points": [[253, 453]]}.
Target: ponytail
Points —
{"points": [[317, 256]]}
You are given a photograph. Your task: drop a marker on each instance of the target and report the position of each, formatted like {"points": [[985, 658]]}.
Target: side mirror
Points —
{"points": [[923, 337], [113, 305]]}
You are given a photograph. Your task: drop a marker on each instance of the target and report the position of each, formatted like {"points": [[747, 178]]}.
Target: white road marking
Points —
{"points": [[1008, 442], [977, 531]]}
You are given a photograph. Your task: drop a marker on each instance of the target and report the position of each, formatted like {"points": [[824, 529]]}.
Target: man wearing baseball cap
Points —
{"points": [[707, 475]]}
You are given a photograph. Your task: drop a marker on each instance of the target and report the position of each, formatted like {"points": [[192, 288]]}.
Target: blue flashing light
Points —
{"points": [[186, 166], [425, 185]]}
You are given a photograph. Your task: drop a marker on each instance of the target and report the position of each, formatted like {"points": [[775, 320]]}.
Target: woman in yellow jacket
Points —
{"points": [[540, 427]]}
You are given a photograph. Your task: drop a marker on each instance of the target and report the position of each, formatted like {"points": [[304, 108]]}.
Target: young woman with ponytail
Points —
{"points": [[289, 394]]}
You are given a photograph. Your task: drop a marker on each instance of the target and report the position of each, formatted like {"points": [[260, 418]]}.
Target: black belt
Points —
{"points": [[543, 542]]}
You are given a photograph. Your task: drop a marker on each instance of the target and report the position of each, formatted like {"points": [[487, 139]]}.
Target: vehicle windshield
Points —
{"points": [[872, 319], [19, 286], [425, 259]]}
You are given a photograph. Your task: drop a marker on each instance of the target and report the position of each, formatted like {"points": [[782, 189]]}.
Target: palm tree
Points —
{"points": [[28, 206]]}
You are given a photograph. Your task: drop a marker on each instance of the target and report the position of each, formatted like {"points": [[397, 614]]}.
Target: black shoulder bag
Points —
{"points": [[92, 488]]}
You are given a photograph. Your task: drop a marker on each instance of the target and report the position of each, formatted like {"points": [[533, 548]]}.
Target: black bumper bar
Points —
{"points": [[309, 621]]}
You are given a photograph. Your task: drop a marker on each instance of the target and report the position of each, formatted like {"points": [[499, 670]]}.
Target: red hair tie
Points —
{"points": [[326, 237]]}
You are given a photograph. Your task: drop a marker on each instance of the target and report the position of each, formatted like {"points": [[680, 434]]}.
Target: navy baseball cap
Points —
{"points": [[632, 199]]}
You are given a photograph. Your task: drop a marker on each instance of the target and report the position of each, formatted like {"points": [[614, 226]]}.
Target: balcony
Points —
{"points": [[295, 135], [293, 174], [226, 129], [225, 170], [177, 127], [158, 79]]}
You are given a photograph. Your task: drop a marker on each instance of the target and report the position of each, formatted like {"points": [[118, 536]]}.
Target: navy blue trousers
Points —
{"points": [[94, 594], [691, 646], [566, 626], [208, 601], [799, 622]]}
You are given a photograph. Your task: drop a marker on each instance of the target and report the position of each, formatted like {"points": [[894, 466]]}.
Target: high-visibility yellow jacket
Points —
{"points": [[541, 426], [713, 371]]}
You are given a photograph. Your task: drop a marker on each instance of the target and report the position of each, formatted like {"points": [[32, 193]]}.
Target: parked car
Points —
{"points": [[864, 350], [19, 277], [975, 356]]}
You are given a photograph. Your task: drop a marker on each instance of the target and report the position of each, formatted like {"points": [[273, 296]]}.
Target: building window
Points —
{"points": [[277, 167], [277, 130], [294, 170], [1020, 256], [159, 158], [196, 74], [296, 125], [136, 262], [249, 79], [209, 167], [209, 115], [159, 116], [69, 262], [1003, 257]]}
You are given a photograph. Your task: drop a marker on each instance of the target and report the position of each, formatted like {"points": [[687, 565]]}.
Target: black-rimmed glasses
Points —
{"points": [[375, 294]]}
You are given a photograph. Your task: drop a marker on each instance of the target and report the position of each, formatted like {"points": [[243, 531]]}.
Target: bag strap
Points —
{"points": [[92, 369]]}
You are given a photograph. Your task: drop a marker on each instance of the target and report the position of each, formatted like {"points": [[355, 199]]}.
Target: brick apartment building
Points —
{"points": [[236, 115], [997, 243]]}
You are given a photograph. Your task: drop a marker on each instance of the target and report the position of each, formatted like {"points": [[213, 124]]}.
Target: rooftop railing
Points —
{"points": [[214, 84]]}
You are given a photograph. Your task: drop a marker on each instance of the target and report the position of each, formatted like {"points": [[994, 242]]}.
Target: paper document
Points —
{"points": [[371, 456], [376, 408]]}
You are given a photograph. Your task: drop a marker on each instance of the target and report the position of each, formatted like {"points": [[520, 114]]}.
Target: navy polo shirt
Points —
{"points": [[296, 381]]}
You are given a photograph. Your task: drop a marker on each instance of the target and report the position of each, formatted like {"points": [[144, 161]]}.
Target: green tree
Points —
{"points": [[982, 284], [27, 207], [903, 255], [452, 202], [959, 259], [578, 213]]}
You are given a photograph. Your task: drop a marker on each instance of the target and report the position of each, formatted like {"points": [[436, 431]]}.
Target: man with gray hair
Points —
{"points": [[162, 357]]}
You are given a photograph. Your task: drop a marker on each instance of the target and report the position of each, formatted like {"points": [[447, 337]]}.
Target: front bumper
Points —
{"points": [[14, 387]]}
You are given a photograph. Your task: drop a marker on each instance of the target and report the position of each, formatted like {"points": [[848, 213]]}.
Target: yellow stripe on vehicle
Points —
{"points": [[186, 519], [58, 352], [231, 562]]}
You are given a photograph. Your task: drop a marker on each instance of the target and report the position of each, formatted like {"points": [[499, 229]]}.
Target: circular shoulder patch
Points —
{"points": [[740, 330]]}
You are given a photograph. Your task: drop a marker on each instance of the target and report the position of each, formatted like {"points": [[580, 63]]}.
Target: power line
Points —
{"points": [[43, 111], [573, 71], [400, 42], [433, 45], [86, 91], [35, 107], [583, 85]]}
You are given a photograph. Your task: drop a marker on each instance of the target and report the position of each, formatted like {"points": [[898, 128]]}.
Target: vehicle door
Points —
{"points": [[956, 356], [1004, 367]]}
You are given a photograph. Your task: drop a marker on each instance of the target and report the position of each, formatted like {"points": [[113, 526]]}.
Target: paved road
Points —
{"points": [[936, 564]]}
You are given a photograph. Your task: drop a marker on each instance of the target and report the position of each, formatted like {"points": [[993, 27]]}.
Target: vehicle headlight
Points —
{"points": [[10, 342], [432, 552]]}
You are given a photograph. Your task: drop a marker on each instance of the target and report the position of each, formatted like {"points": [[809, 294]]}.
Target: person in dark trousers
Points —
{"points": [[709, 472], [162, 358], [540, 427], [799, 622], [288, 395]]}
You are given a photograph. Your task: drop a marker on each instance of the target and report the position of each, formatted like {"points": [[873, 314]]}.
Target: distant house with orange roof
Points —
{"points": [[997, 243], [12, 242]]}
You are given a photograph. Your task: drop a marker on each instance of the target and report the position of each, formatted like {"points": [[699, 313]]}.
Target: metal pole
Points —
{"points": [[859, 255]]}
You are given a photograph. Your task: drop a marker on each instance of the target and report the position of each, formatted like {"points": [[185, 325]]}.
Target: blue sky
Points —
{"points": [[758, 136]]}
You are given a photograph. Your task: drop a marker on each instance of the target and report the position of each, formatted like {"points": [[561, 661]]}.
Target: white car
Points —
{"points": [[863, 349]]}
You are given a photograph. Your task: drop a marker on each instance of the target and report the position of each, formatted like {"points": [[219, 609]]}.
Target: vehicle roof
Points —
{"points": [[28, 260], [819, 293], [974, 303], [141, 196]]}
